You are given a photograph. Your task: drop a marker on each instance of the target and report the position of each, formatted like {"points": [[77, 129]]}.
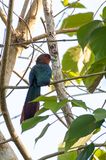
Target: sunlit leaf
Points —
{"points": [[76, 5], [100, 154], [75, 62], [80, 127], [99, 114], [86, 153], [77, 20], [73, 5], [98, 43], [104, 14], [70, 74], [85, 31], [71, 58], [66, 156], [42, 133], [30, 123], [65, 2], [88, 60], [83, 140], [78, 103]]}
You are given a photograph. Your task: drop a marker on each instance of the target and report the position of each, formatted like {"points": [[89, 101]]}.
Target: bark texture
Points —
{"points": [[5, 150], [56, 67]]}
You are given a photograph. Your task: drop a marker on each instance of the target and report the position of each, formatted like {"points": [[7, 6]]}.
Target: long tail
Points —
{"points": [[29, 111], [30, 108]]}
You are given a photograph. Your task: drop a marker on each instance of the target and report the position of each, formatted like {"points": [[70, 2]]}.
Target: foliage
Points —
{"points": [[66, 155], [87, 57], [30, 123], [90, 35], [51, 102], [87, 152], [100, 154], [79, 124]]}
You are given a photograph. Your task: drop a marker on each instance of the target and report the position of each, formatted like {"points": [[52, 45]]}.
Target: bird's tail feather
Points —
{"points": [[29, 110]]}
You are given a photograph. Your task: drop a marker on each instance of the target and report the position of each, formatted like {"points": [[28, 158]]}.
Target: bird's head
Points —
{"points": [[44, 58]]}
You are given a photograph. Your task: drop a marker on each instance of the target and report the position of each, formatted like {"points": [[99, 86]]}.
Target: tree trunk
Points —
{"points": [[6, 152], [56, 67]]}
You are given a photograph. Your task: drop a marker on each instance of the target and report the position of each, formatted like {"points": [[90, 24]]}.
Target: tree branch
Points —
{"points": [[25, 5], [71, 150], [30, 19], [37, 38], [52, 155], [21, 77], [3, 16], [59, 81], [6, 141], [4, 109], [53, 50]]}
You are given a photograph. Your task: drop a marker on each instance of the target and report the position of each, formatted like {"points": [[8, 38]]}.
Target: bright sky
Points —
{"points": [[49, 143]]}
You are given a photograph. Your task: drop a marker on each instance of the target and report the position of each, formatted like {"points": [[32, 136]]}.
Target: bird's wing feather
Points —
{"points": [[43, 74]]}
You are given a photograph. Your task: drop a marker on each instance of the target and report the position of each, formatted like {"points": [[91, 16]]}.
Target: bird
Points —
{"points": [[39, 76]]}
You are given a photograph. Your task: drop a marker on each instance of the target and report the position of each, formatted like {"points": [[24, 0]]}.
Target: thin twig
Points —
{"points": [[25, 5], [21, 77], [42, 36], [60, 120], [104, 104], [6, 141], [63, 80], [39, 41], [30, 59], [71, 150], [3, 16], [52, 155], [99, 8]]}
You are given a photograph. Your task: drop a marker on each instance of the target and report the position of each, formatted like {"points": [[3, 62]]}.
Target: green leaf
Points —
{"points": [[71, 58], [55, 106], [99, 114], [77, 62], [86, 124], [104, 14], [77, 20], [73, 5], [85, 31], [86, 153], [42, 110], [76, 5], [44, 98], [100, 154], [42, 133], [92, 82], [51, 102], [78, 103], [66, 155], [98, 43], [30, 123], [89, 59], [69, 74]]}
